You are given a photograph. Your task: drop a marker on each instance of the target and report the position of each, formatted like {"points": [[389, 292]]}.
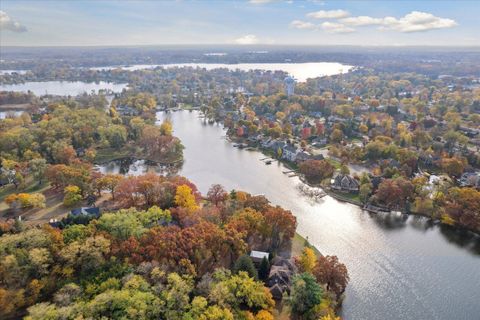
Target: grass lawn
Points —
{"points": [[336, 164]]}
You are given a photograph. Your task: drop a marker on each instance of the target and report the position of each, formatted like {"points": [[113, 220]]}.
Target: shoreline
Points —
{"points": [[339, 198]]}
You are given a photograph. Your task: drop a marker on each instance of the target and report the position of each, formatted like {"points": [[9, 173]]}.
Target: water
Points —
{"points": [[10, 113], [400, 268], [63, 88], [3, 72], [300, 71]]}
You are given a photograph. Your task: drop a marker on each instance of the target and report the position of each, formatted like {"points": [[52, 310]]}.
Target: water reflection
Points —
{"points": [[136, 167]]}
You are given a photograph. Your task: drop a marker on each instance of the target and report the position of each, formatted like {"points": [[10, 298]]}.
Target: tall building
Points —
{"points": [[289, 85]]}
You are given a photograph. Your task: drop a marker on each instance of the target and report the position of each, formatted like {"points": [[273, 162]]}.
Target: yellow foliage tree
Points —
{"points": [[166, 128], [307, 260], [264, 315], [184, 198]]}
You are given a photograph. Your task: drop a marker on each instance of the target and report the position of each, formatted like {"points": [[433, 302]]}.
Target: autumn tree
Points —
{"points": [[316, 170], [71, 196], [109, 182], [332, 273], [281, 226], [217, 194], [185, 198], [307, 260]]}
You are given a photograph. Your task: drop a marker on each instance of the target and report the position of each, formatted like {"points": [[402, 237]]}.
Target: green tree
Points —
{"points": [[245, 263], [38, 167], [305, 297]]}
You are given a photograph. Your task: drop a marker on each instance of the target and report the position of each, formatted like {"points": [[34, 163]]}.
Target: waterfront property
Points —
{"points": [[345, 183]]}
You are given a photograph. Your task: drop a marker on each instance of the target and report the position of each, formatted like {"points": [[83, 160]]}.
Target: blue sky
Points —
{"points": [[314, 22]]}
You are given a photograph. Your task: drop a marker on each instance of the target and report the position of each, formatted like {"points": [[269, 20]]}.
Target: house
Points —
{"points": [[289, 152], [280, 277], [303, 156], [86, 211], [257, 256], [277, 292], [470, 179], [345, 183]]}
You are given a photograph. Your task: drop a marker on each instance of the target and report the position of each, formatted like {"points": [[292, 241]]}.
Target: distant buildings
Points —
{"points": [[289, 86]]}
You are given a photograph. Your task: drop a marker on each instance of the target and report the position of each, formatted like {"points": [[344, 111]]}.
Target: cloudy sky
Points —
{"points": [[313, 22]]}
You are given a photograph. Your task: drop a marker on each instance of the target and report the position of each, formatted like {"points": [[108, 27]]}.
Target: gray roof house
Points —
{"points": [[289, 152], [345, 183]]}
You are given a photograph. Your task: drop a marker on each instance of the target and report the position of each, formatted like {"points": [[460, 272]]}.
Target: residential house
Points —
{"points": [[345, 183], [470, 179], [280, 277], [86, 211], [289, 152]]}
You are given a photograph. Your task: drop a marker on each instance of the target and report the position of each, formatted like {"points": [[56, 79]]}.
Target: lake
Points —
{"points": [[63, 88], [300, 71], [401, 267]]}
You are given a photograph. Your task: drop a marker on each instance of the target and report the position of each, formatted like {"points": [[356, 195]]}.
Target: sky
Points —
{"points": [[277, 22]]}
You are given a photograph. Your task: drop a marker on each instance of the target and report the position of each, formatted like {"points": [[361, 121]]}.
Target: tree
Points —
{"points": [[316, 170], [122, 224], [240, 290], [280, 226], [344, 170], [307, 260], [332, 273], [110, 182], [217, 194], [71, 196], [264, 269], [453, 166], [462, 205], [365, 191], [26, 200], [116, 135], [166, 128], [394, 192], [38, 167], [337, 135], [245, 263], [184, 198], [306, 295]]}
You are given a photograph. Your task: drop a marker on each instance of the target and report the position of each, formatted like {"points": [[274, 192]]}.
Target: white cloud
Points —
{"points": [[415, 21], [333, 27], [328, 14], [247, 39], [361, 21], [298, 24], [6, 23]]}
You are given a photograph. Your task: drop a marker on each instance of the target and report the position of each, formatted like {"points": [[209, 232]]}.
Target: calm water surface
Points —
{"points": [[400, 268], [301, 71], [62, 88]]}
